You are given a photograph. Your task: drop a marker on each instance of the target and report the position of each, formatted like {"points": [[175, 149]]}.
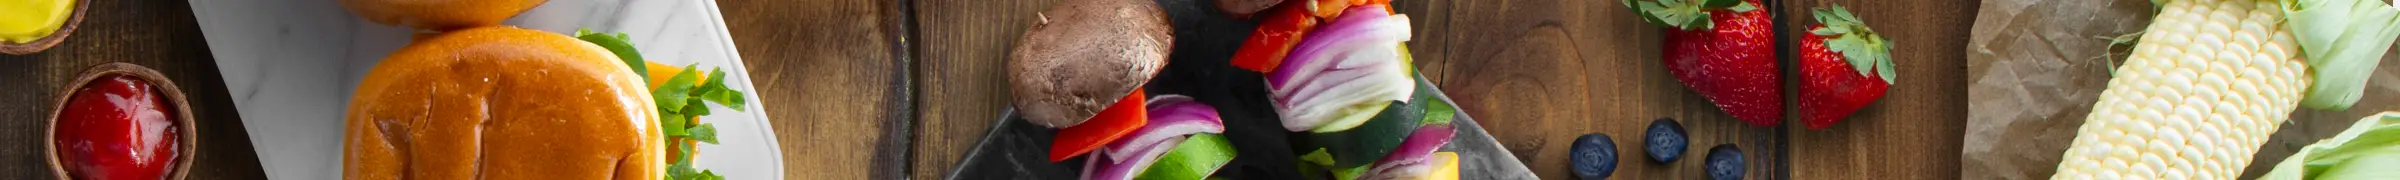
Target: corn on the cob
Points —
{"points": [[2204, 88], [2214, 78]]}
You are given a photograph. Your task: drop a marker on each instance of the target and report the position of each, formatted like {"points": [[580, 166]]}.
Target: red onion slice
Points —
{"points": [[1096, 169], [1408, 160], [1343, 72], [1170, 116]]}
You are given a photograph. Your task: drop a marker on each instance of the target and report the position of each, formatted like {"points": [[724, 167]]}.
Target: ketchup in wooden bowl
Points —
{"points": [[119, 125]]}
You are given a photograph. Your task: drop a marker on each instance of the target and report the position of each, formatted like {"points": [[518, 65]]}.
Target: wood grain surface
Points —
{"points": [[1539, 73], [877, 89], [1915, 132], [160, 35], [963, 44], [833, 80]]}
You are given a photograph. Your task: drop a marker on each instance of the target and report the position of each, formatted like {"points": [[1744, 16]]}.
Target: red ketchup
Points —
{"points": [[117, 127]]}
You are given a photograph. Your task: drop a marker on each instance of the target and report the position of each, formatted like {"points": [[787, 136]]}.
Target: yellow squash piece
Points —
{"points": [[1445, 166], [22, 21]]}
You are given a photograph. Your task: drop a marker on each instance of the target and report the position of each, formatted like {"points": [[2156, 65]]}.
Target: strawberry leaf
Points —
{"points": [[1720, 3], [1681, 14], [1864, 50], [1743, 7]]}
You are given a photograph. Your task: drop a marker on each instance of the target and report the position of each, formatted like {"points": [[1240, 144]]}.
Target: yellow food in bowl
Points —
{"points": [[22, 21]]}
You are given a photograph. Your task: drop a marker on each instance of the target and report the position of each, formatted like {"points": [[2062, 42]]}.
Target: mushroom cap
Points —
{"points": [[1082, 55]]}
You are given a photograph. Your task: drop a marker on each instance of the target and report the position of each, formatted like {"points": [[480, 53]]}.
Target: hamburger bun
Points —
{"points": [[439, 14], [502, 103]]}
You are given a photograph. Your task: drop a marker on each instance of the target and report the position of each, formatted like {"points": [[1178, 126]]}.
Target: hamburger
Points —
{"points": [[503, 103], [439, 14]]}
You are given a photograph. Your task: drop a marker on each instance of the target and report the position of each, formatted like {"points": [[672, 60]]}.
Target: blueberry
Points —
{"points": [[1665, 140], [1594, 156], [1724, 162]]}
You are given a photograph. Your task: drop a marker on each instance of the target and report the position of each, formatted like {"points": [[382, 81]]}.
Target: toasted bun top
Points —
{"points": [[502, 103], [439, 14]]}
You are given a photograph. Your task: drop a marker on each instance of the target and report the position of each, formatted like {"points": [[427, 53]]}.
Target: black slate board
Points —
{"points": [[1204, 41]]}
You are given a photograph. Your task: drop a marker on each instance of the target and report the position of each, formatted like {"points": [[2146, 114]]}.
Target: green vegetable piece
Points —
{"points": [[1349, 173], [1439, 112], [1197, 157], [620, 46], [2343, 40], [1312, 170], [708, 175], [1379, 135], [1318, 157], [729, 98], [705, 133], [693, 108], [681, 170], [1371, 140], [683, 152], [715, 91], [672, 94], [2367, 150], [672, 124]]}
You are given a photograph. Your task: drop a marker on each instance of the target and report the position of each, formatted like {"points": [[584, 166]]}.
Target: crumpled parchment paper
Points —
{"points": [[2036, 66]]}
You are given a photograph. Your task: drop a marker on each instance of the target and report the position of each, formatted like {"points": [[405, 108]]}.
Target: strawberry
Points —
{"points": [[1723, 49], [1843, 67]]}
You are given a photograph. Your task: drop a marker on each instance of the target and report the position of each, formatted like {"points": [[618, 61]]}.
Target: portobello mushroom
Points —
{"points": [[1082, 55]]}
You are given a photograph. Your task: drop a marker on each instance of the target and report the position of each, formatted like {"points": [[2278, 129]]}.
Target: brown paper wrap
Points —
{"points": [[2036, 67]]}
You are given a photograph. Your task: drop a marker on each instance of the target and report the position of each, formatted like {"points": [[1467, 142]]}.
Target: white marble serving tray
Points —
{"points": [[291, 65]]}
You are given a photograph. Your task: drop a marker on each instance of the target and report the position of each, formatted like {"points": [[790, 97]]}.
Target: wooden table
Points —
{"points": [[157, 34], [876, 89]]}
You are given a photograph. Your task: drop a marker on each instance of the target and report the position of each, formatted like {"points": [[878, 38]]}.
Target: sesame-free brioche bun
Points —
{"points": [[502, 103], [439, 14]]}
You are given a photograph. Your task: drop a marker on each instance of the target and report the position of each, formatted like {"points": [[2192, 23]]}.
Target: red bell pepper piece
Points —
{"points": [[1112, 123], [1278, 30]]}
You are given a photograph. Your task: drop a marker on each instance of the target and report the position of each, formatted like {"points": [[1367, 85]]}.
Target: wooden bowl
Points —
{"points": [[190, 140], [55, 37]]}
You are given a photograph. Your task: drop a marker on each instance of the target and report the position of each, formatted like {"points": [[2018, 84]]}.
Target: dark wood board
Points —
{"points": [[1016, 149], [161, 35], [833, 81]]}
